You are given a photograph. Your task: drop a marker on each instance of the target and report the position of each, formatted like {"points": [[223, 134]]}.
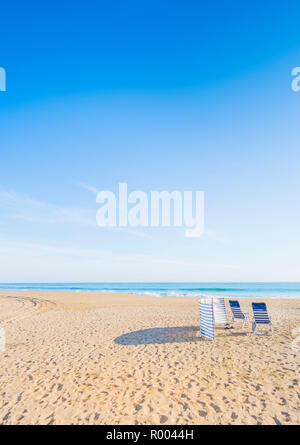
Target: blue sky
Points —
{"points": [[161, 95]]}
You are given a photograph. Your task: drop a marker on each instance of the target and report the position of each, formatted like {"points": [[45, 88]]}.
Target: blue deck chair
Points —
{"points": [[237, 313], [261, 317]]}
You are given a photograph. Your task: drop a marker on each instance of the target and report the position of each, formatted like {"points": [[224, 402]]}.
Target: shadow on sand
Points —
{"points": [[180, 334], [160, 336]]}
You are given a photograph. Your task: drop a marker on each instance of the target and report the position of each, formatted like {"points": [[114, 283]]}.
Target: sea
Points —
{"points": [[165, 290]]}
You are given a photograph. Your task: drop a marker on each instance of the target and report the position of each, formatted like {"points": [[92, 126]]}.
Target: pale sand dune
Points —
{"points": [[123, 359]]}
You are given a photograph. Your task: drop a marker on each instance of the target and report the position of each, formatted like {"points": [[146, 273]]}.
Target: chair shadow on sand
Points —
{"points": [[182, 334], [153, 336]]}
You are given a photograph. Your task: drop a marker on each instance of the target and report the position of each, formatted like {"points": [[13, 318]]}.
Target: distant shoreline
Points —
{"points": [[266, 290]]}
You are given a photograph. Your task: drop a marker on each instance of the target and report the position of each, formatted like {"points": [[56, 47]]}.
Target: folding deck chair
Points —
{"points": [[237, 313], [261, 317], [212, 312], [206, 318], [219, 310]]}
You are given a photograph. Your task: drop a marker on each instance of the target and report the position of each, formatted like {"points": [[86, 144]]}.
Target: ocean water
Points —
{"points": [[236, 290]]}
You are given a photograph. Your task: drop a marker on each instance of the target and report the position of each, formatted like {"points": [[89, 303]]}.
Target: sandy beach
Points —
{"points": [[104, 358]]}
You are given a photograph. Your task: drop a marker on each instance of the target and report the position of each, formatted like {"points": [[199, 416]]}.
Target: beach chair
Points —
{"points": [[261, 317], [219, 310], [206, 318], [237, 313]]}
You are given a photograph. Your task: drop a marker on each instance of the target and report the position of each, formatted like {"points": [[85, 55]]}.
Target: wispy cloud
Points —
{"points": [[23, 261], [88, 187], [21, 206], [215, 236], [24, 207], [21, 247]]}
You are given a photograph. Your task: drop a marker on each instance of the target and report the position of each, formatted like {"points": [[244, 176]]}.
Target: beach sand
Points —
{"points": [[104, 358]]}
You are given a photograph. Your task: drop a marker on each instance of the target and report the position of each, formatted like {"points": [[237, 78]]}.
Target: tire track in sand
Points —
{"points": [[20, 307]]}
